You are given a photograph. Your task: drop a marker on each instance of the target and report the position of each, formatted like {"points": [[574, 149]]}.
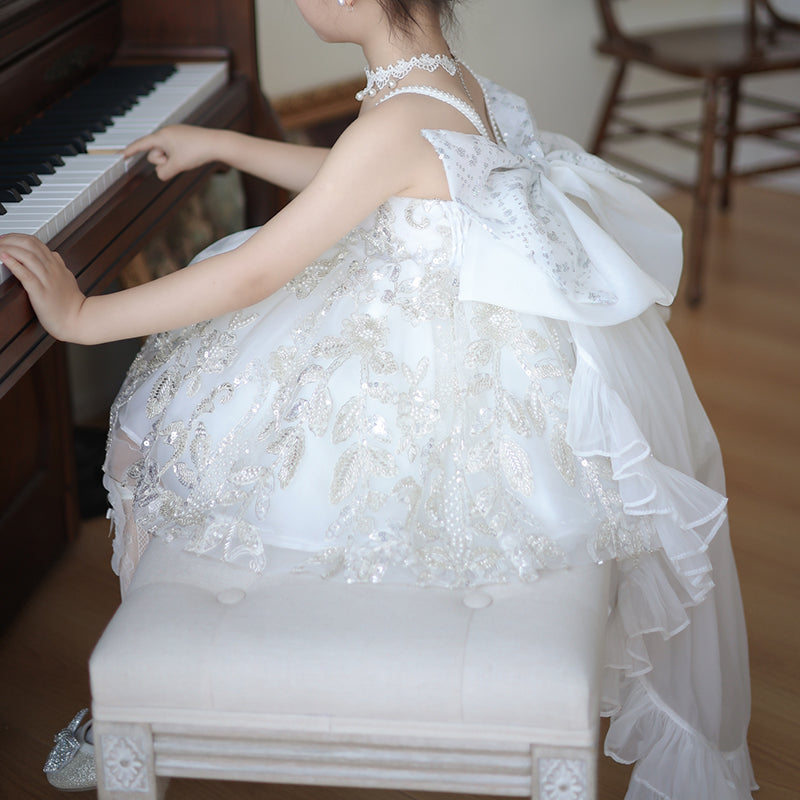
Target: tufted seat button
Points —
{"points": [[477, 599], [229, 597]]}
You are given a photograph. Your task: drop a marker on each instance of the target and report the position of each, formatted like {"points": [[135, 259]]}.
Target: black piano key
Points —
{"points": [[21, 186], [10, 196], [39, 166], [33, 150], [115, 87], [28, 178], [96, 122], [108, 106], [55, 119], [33, 159], [20, 169], [57, 132], [2, 210], [58, 137]]}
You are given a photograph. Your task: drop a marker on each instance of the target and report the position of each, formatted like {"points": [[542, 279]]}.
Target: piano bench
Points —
{"points": [[211, 671]]}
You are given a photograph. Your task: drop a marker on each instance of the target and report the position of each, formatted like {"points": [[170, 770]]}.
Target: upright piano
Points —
{"points": [[63, 179]]}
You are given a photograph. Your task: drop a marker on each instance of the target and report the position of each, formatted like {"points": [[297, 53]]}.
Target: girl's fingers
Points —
{"points": [[51, 287], [157, 156], [30, 257], [138, 146], [24, 247], [165, 171], [22, 268], [15, 245], [8, 259]]}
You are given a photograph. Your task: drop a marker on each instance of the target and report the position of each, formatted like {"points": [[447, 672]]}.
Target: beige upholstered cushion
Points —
{"points": [[196, 639]]}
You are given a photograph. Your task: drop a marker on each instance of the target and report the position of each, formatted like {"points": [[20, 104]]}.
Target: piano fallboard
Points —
{"points": [[47, 47]]}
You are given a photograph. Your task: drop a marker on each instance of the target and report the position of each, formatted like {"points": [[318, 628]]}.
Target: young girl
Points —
{"points": [[442, 363]]}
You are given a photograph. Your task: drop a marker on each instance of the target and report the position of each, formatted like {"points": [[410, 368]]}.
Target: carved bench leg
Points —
{"points": [[564, 772], [125, 763]]}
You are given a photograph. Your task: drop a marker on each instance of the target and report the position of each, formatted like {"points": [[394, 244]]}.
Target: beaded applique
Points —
{"points": [[428, 432], [431, 469]]}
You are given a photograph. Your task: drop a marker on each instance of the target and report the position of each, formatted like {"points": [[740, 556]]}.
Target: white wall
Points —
{"points": [[541, 49]]}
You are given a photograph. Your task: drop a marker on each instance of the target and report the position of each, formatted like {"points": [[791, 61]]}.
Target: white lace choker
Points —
{"points": [[388, 76]]}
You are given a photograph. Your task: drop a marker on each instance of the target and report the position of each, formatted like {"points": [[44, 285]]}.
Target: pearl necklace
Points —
{"points": [[388, 76]]}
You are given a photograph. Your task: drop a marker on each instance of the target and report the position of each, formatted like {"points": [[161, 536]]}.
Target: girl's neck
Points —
{"points": [[380, 51]]}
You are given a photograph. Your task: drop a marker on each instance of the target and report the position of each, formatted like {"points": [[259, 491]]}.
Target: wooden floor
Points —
{"points": [[743, 350]]}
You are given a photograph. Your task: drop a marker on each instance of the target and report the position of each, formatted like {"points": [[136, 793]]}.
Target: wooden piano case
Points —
{"points": [[47, 47]]}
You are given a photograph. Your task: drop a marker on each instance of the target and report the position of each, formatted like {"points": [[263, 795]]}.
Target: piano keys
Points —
{"points": [[60, 195]]}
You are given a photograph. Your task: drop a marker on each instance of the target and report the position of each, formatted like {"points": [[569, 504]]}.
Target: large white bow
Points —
{"points": [[562, 235]]}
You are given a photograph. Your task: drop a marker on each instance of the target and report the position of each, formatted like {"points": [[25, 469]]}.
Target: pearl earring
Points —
{"points": [[341, 3]]}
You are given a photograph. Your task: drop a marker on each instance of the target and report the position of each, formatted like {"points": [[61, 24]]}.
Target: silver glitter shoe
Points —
{"points": [[70, 765]]}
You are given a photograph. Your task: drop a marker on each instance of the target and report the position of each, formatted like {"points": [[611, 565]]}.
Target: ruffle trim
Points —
{"points": [[648, 600], [685, 514], [674, 761], [655, 593]]}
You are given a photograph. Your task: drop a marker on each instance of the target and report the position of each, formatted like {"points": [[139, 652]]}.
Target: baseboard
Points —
{"points": [[319, 106]]}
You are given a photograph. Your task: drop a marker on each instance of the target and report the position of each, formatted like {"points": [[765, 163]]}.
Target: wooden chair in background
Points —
{"points": [[718, 56]]}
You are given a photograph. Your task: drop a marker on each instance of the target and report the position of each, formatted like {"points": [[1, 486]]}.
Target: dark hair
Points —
{"points": [[402, 13]]}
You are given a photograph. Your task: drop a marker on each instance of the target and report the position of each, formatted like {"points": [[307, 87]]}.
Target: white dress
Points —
{"points": [[467, 392]]}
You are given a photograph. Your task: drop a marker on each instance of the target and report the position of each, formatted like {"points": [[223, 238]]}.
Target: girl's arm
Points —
{"points": [[178, 148], [378, 156]]}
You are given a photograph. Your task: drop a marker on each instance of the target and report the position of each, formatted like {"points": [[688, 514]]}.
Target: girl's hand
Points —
{"points": [[175, 149], [51, 287]]}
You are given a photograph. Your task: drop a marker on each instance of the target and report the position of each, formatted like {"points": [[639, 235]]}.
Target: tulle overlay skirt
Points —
{"points": [[368, 420]]}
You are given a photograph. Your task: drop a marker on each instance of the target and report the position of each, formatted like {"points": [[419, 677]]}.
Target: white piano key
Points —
{"points": [[28, 227], [42, 211], [38, 202]]}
